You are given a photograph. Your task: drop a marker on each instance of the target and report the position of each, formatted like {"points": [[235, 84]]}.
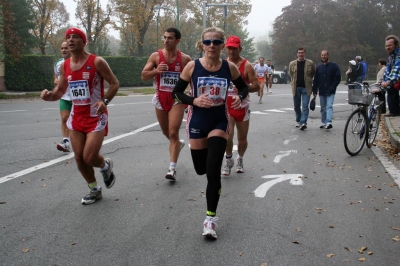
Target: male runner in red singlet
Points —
{"points": [[240, 117], [165, 66], [84, 74]]}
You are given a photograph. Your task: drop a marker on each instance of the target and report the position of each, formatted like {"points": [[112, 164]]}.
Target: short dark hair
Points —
{"points": [[382, 61], [260, 58], [176, 31], [301, 49], [394, 38]]}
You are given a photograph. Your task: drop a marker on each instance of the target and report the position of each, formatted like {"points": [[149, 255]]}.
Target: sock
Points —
{"points": [[172, 165], [105, 168], [228, 156], [239, 157], [93, 185]]}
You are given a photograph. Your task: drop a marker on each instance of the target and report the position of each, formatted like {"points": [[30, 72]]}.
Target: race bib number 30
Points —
{"points": [[80, 94], [168, 80], [214, 88]]}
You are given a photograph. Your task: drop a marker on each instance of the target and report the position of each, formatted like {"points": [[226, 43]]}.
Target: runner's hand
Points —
{"points": [[46, 95], [203, 101], [101, 107], [236, 103], [162, 67]]}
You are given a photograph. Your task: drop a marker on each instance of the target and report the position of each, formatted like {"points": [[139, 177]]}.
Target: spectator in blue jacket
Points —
{"points": [[363, 69], [327, 78]]}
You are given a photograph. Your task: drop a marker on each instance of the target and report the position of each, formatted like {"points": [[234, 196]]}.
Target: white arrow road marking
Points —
{"points": [[291, 138], [284, 154], [295, 180], [13, 111], [258, 113], [275, 110]]}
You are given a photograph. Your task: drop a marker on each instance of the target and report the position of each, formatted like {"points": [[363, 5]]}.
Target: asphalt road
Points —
{"points": [[301, 201]]}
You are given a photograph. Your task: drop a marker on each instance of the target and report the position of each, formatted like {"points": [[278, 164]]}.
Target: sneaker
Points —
{"points": [[269, 91], [303, 126], [322, 126], [328, 126], [108, 175], [239, 166], [95, 194], [171, 175], [182, 144], [209, 227], [259, 101], [297, 124], [227, 167], [64, 146]]}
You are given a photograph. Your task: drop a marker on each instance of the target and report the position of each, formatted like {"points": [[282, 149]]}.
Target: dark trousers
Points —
{"points": [[382, 98], [393, 101]]}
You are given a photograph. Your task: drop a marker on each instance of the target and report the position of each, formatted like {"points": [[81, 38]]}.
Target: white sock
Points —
{"points": [[172, 165]]}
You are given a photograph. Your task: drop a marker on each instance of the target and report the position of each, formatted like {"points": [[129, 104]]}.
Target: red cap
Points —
{"points": [[78, 32], [233, 41]]}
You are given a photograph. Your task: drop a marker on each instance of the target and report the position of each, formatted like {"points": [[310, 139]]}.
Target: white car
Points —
{"points": [[278, 77]]}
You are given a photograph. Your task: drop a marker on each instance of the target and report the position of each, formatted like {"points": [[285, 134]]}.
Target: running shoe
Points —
{"points": [[171, 175], [328, 126], [108, 175], [260, 101], [63, 146], [269, 91], [227, 167], [239, 165], [182, 144], [297, 124], [303, 126], [322, 126], [95, 194], [209, 227]]}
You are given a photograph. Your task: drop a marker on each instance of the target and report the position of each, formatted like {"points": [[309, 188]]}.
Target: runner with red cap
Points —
{"points": [[165, 66], [84, 74], [239, 117]]}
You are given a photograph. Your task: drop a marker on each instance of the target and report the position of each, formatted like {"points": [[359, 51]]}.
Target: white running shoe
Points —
{"points": [[297, 124], [239, 166], [63, 146], [182, 144], [227, 167], [95, 194], [209, 227], [171, 175]]}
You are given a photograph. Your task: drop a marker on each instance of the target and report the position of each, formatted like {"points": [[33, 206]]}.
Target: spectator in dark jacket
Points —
{"points": [[327, 78]]}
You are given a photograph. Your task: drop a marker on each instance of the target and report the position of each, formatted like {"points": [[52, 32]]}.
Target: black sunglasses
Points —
{"points": [[215, 42]]}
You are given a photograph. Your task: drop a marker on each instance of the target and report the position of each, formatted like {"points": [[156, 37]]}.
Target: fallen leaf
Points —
{"points": [[44, 185], [25, 250], [73, 244], [348, 249], [264, 156], [295, 242], [330, 255], [192, 199], [395, 228], [2, 202], [264, 264], [298, 229], [331, 226], [362, 249], [361, 259], [396, 238], [370, 253], [240, 253], [116, 200]]}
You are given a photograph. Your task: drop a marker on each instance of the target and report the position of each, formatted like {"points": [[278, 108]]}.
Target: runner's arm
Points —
{"points": [[59, 90], [105, 71]]}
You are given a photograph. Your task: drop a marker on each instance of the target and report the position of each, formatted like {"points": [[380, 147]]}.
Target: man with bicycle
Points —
{"points": [[391, 78]]}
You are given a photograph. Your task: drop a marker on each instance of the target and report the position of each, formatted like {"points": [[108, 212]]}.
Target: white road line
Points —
{"points": [[291, 138], [50, 109], [258, 113], [275, 110], [69, 156], [14, 111]]}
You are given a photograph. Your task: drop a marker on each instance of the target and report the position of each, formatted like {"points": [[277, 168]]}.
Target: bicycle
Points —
{"points": [[363, 123]]}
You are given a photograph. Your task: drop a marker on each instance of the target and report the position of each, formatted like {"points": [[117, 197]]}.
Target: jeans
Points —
{"points": [[359, 80], [326, 108], [301, 99]]}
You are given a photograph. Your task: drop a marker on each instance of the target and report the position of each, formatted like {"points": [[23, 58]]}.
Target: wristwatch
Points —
{"points": [[106, 101]]}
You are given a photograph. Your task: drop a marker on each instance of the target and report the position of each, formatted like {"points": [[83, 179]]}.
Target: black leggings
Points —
{"points": [[209, 161]]}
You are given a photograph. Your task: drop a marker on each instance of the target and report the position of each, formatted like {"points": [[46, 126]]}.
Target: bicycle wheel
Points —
{"points": [[355, 132], [375, 118]]}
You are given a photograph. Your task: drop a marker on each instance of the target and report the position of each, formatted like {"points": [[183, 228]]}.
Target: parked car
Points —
{"points": [[278, 77]]}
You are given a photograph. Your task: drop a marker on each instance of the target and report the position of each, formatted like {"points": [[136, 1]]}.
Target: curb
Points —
{"points": [[394, 138]]}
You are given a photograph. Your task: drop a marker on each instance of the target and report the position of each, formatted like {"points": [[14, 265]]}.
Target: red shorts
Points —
{"points": [[89, 124], [240, 115]]}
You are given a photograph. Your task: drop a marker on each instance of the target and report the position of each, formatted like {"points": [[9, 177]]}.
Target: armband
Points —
{"points": [[179, 95], [243, 88]]}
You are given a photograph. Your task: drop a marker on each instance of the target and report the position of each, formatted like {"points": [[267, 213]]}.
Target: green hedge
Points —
{"points": [[30, 73], [36, 72]]}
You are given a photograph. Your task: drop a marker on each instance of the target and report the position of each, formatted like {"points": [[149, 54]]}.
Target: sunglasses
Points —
{"points": [[215, 42]]}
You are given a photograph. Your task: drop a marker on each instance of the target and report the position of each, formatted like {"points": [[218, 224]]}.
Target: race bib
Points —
{"points": [[214, 88], [80, 94], [168, 80]]}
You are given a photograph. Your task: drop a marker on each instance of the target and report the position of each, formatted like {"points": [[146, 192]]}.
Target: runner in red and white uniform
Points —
{"points": [[270, 73], [84, 74], [165, 66], [239, 117], [261, 71]]}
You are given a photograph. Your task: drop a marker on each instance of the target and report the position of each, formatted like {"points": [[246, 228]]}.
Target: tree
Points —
{"points": [[18, 23], [50, 15], [94, 19]]}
